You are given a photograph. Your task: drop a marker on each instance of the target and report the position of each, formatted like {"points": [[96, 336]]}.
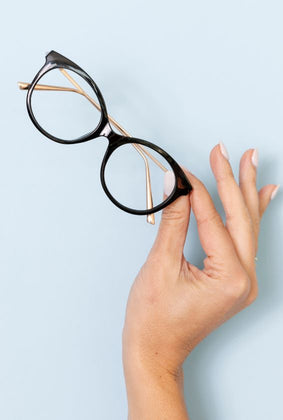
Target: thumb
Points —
{"points": [[174, 223]]}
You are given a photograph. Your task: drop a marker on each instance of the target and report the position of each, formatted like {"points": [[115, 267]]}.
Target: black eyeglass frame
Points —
{"points": [[182, 184]]}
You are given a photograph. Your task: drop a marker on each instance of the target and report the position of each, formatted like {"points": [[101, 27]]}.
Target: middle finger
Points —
{"points": [[238, 220]]}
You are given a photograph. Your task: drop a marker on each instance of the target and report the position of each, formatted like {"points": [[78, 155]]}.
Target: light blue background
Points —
{"points": [[182, 74]]}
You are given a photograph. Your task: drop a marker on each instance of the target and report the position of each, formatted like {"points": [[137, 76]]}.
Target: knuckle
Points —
{"points": [[252, 296], [173, 213], [257, 222], [248, 181], [239, 287], [213, 217], [226, 177]]}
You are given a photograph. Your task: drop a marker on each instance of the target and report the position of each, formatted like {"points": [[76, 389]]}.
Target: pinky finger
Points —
{"points": [[266, 194]]}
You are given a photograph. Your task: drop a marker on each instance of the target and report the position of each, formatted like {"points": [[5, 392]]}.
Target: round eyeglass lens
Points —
{"points": [[134, 173], [65, 105]]}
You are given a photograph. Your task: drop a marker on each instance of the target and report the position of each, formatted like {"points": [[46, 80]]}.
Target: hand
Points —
{"points": [[173, 304]]}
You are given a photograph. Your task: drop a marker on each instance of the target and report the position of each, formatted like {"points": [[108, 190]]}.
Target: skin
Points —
{"points": [[173, 304]]}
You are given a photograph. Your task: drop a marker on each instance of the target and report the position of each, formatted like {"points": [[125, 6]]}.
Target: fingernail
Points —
{"points": [[223, 150], [255, 158], [169, 182], [274, 192]]}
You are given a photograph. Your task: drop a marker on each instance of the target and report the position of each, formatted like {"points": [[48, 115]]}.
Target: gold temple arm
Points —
{"points": [[138, 147], [25, 86]]}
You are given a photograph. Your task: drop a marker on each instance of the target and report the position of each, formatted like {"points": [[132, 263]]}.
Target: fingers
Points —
{"points": [[266, 194], [256, 202], [214, 238], [238, 220], [242, 203], [174, 223], [243, 207], [247, 181]]}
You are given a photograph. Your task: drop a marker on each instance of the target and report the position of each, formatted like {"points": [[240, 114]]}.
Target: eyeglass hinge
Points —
{"points": [[106, 130]]}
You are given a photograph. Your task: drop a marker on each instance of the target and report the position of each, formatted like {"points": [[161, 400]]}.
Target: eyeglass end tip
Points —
{"points": [[22, 85]]}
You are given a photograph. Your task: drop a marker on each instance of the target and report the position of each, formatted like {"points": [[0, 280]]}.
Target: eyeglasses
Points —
{"points": [[132, 169]]}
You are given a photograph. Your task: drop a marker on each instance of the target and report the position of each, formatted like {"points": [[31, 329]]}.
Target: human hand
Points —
{"points": [[173, 304]]}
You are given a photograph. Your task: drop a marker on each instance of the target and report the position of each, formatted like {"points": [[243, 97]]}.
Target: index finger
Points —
{"points": [[214, 237]]}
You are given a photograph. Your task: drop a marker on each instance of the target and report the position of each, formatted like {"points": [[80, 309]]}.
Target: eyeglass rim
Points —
{"points": [[115, 141], [56, 60]]}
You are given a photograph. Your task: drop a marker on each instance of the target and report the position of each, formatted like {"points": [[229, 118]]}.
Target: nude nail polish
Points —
{"points": [[274, 192], [169, 182], [223, 150], [255, 158]]}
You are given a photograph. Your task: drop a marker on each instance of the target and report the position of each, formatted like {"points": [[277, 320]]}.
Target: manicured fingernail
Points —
{"points": [[169, 182], [255, 158], [223, 150], [274, 192]]}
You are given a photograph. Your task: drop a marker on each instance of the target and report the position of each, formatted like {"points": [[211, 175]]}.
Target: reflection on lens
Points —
{"points": [[125, 176], [62, 113]]}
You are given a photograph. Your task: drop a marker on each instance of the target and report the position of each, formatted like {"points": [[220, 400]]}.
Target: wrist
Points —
{"points": [[152, 390], [152, 358], [143, 368]]}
